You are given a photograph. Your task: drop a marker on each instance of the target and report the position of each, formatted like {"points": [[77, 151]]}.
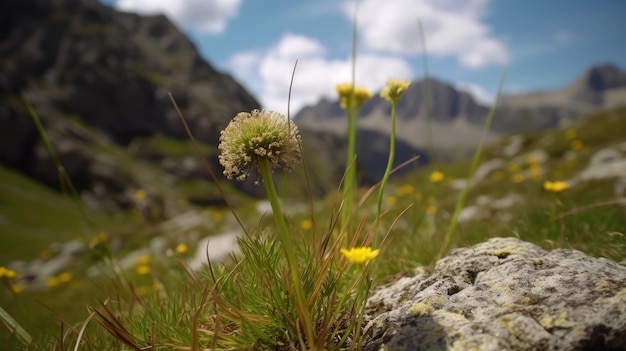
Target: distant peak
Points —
{"points": [[602, 77]]}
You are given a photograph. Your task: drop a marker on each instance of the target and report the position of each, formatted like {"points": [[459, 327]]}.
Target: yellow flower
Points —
{"points": [[65, 277], [556, 186], [360, 254], [141, 194], [181, 248], [517, 178], [576, 145], [52, 282], [46, 254], [436, 177], [344, 90], [536, 173], [405, 190], [99, 238], [17, 288], [394, 89], [391, 200], [513, 167], [217, 216], [431, 209], [142, 260], [306, 224], [142, 269], [7, 273], [570, 133]]}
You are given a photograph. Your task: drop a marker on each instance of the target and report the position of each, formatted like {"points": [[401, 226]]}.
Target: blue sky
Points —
{"points": [[541, 44]]}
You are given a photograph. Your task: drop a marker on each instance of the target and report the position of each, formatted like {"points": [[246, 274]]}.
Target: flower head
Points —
{"points": [[435, 177], [181, 248], [258, 135], [556, 187], [360, 254], [344, 90], [394, 90], [7, 273]]}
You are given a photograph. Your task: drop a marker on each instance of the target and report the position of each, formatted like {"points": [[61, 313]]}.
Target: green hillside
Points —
{"points": [[144, 252]]}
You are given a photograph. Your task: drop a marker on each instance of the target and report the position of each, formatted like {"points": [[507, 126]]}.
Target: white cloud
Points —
{"points": [[208, 16], [268, 73], [452, 28], [480, 94]]}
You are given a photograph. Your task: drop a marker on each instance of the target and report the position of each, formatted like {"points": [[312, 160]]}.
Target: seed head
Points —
{"points": [[258, 135]]}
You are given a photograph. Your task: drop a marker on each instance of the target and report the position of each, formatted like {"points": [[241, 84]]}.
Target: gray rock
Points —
{"points": [[215, 248], [486, 169], [504, 294], [514, 145]]}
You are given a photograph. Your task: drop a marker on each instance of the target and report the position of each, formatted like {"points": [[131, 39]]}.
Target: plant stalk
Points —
{"points": [[288, 247]]}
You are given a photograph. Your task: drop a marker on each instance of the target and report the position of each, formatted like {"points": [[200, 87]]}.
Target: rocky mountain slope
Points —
{"points": [[99, 78], [458, 118]]}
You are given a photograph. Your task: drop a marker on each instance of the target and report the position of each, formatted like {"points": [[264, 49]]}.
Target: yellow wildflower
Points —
{"points": [[142, 260], [217, 216], [99, 238], [431, 209], [556, 186], [517, 178], [391, 200], [7, 273], [65, 277], [306, 224], [181, 248], [344, 90], [142, 269], [576, 145], [436, 177], [46, 254], [394, 89], [17, 288], [405, 190], [141, 194], [513, 167], [360, 254], [52, 282], [570, 133]]}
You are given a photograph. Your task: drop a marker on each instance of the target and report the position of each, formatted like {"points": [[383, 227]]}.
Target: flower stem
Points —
{"points": [[288, 247], [383, 182], [349, 183]]}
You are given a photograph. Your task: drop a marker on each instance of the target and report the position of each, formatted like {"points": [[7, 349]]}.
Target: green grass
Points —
{"points": [[247, 300], [32, 216]]}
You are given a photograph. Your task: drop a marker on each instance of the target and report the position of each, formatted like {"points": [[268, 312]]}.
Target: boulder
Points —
{"points": [[503, 294]]}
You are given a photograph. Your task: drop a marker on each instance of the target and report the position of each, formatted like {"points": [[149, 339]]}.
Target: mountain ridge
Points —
{"points": [[458, 118]]}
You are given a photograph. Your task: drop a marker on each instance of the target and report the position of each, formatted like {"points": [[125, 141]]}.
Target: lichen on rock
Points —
{"points": [[503, 294]]}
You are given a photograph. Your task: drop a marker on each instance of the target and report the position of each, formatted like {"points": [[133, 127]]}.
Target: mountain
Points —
{"points": [[458, 119], [99, 79], [599, 88]]}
